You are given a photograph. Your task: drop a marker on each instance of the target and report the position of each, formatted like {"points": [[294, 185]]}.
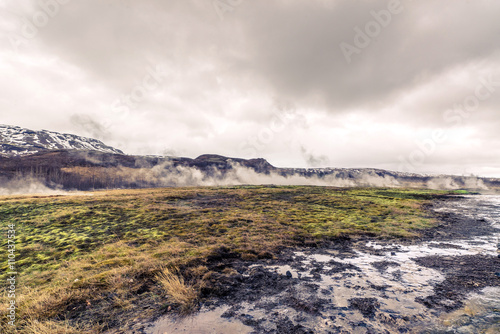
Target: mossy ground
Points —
{"points": [[90, 263]]}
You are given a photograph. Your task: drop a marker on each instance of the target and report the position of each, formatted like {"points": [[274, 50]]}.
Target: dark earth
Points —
{"points": [[239, 282]]}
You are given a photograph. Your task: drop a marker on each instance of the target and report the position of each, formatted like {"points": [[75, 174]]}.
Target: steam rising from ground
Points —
{"points": [[179, 176], [169, 175], [26, 185], [448, 183]]}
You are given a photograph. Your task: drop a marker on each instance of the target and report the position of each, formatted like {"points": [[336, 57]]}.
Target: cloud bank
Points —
{"points": [[178, 76]]}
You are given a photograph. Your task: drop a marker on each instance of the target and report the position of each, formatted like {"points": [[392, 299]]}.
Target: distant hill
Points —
{"points": [[65, 161], [15, 141]]}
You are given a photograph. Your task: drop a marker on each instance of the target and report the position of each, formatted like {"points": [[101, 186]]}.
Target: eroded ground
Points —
{"points": [[445, 282]]}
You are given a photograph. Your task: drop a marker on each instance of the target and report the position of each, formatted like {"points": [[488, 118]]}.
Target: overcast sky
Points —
{"points": [[401, 85]]}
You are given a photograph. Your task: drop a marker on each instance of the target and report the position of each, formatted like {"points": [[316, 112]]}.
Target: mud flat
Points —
{"points": [[445, 282]]}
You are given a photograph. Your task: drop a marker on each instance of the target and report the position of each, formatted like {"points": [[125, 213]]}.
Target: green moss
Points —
{"points": [[179, 226], [61, 227]]}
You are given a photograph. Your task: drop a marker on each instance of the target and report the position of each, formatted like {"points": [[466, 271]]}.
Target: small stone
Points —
{"points": [[393, 253], [497, 274], [288, 274]]}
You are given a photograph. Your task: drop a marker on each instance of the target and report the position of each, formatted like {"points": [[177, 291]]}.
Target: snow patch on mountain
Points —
{"points": [[15, 140]]}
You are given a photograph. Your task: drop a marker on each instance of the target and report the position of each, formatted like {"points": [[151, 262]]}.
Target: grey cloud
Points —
{"points": [[298, 50], [90, 126], [292, 45], [314, 160], [228, 78]]}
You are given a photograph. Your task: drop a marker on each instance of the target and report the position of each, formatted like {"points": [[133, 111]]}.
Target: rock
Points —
{"points": [[367, 306], [288, 274]]}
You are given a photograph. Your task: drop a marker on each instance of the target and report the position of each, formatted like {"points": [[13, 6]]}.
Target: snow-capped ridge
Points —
{"points": [[15, 141]]}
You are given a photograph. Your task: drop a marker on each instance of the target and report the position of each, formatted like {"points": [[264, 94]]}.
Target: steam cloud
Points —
{"points": [[168, 174], [448, 183], [27, 185], [180, 176]]}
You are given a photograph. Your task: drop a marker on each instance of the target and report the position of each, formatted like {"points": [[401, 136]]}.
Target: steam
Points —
{"points": [[450, 183], [90, 126], [169, 175], [180, 176], [172, 174], [475, 183], [26, 185], [442, 183], [314, 160]]}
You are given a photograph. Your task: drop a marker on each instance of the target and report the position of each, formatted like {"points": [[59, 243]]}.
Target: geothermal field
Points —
{"points": [[255, 259]]}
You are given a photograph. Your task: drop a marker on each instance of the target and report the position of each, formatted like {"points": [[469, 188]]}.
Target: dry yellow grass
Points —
{"points": [[51, 327], [177, 290]]}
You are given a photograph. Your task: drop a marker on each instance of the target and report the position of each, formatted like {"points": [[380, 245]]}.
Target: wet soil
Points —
{"points": [[356, 285], [464, 274], [455, 225]]}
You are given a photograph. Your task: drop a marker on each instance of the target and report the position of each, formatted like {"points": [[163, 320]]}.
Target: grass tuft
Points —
{"points": [[34, 326], [180, 293]]}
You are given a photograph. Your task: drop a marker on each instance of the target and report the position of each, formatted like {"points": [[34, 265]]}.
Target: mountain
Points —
{"points": [[16, 141], [88, 170], [64, 161]]}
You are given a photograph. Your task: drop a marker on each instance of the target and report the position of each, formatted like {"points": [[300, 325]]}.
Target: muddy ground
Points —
{"points": [[353, 285]]}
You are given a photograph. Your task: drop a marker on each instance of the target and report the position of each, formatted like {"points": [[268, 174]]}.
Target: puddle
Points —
{"points": [[481, 314], [204, 322]]}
